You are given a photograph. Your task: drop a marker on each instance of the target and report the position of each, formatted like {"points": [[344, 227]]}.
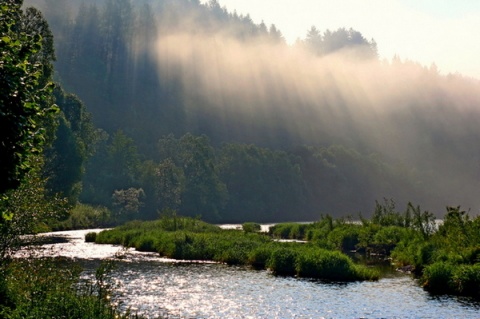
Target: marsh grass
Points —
{"points": [[260, 256]]}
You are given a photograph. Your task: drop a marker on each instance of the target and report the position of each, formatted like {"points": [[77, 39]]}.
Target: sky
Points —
{"points": [[443, 32]]}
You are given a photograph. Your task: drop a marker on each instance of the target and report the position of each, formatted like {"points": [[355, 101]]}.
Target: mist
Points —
{"points": [[407, 113], [182, 67]]}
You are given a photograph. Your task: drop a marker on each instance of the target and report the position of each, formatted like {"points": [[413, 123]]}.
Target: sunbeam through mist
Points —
{"points": [[203, 70]]}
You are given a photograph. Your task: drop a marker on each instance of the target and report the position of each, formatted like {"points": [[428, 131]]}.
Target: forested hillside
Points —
{"points": [[204, 112]]}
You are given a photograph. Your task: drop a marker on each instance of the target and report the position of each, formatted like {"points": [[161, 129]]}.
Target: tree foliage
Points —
{"points": [[25, 98]]}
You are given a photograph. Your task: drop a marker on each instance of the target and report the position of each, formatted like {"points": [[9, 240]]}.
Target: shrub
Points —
{"points": [[282, 261], [233, 256], [345, 237], [83, 217], [90, 237], [365, 273], [437, 277], [324, 264], [145, 243], [466, 280], [390, 235], [259, 256], [251, 227], [298, 231], [289, 231], [408, 252]]}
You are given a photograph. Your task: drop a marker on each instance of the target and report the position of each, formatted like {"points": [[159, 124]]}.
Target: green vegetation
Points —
{"points": [[52, 157], [47, 288], [251, 227], [191, 239], [90, 237], [42, 150], [26, 102], [446, 260], [84, 217]]}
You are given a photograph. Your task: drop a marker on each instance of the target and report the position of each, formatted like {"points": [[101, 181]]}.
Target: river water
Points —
{"points": [[154, 287]]}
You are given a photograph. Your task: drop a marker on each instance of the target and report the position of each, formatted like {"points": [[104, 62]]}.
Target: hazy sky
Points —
{"points": [[444, 32]]}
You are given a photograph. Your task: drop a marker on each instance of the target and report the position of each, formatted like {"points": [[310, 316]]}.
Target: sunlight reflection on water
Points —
{"points": [[155, 286], [219, 291]]}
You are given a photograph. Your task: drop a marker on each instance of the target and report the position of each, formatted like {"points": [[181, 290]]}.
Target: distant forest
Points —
{"points": [[174, 105]]}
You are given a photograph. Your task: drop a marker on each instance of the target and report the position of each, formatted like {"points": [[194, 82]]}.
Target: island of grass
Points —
{"points": [[445, 258], [186, 238]]}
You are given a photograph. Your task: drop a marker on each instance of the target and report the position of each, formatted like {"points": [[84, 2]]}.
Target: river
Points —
{"points": [[154, 286]]}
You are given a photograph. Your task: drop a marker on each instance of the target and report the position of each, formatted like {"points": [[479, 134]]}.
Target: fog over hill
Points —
{"points": [[151, 68]]}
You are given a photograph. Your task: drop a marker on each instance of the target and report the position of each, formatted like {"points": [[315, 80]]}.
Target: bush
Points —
{"points": [[235, 247], [90, 237], [145, 243], [83, 217], [390, 235], [345, 237], [282, 261], [437, 277], [466, 280], [233, 256], [289, 231], [251, 227], [324, 264], [259, 257]]}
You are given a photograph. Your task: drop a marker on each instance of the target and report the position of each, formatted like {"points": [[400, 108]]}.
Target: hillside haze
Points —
{"points": [[358, 129]]}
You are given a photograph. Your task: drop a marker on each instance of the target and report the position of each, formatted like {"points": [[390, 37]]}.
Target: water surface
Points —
{"points": [[155, 286]]}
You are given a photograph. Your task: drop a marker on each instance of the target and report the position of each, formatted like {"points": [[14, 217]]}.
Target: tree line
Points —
{"points": [[235, 182]]}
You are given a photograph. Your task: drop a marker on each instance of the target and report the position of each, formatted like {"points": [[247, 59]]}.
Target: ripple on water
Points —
{"points": [[219, 291], [155, 287]]}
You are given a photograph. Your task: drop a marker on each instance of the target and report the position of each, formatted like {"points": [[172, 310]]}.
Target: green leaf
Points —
{"points": [[7, 216]]}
